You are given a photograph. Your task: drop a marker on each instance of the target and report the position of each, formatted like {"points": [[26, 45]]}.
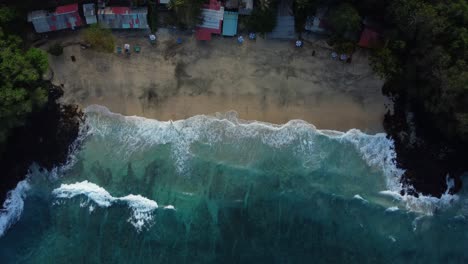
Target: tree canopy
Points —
{"points": [[188, 12], [21, 71]]}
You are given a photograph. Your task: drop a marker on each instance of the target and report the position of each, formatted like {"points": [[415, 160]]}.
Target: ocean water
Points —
{"points": [[214, 189]]}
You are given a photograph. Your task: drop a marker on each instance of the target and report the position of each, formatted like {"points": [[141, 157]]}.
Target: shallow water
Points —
{"points": [[217, 190]]}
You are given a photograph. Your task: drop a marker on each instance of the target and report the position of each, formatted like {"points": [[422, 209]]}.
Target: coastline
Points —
{"points": [[266, 80], [46, 140]]}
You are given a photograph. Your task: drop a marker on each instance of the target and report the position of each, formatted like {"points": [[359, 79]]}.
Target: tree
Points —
{"points": [[188, 12], [385, 64], [262, 20], [345, 19], [100, 38], [21, 89]]}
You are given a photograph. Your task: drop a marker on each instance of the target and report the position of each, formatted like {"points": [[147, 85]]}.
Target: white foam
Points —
{"points": [[13, 206], [359, 197], [135, 133], [392, 209], [142, 207]]}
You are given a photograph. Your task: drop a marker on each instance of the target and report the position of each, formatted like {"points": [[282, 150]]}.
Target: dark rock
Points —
{"points": [[45, 139], [422, 150]]}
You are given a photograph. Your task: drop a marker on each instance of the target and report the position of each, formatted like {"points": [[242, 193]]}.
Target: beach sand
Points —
{"points": [[264, 80]]}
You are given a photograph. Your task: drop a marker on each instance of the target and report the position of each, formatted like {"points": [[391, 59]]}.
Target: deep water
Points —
{"points": [[218, 190]]}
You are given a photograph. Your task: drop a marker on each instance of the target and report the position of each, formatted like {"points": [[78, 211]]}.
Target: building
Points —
{"points": [[369, 38], [64, 17], [285, 23], [89, 12], [123, 17], [212, 15], [317, 23], [230, 23]]}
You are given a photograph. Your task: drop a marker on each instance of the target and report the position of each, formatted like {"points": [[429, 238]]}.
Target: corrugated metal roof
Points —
{"points": [[212, 18], [66, 9], [123, 17], [63, 17], [89, 10], [284, 28], [230, 23]]}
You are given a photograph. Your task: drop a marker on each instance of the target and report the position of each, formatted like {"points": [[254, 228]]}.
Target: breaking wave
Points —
{"points": [[13, 206], [142, 208], [136, 133]]}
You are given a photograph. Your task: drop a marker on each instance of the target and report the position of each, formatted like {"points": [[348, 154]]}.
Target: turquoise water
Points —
{"points": [[218, 190]]}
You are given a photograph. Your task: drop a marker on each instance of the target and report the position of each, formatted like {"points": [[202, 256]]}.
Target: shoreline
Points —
{"points": [[266, 80]]}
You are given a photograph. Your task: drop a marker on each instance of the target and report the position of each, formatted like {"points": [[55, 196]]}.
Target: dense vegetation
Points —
{"points": [[34, 128], [188, 12], [424, 51], [101, 39], [21, 86], [423, 59], [263, 17]]}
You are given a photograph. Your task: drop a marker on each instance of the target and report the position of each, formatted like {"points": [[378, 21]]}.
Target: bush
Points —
{"points": [[100, 39], [55, 49], [262, 20]]}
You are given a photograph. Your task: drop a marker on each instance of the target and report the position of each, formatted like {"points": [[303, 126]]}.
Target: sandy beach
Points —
{"points": [[266, 80]]}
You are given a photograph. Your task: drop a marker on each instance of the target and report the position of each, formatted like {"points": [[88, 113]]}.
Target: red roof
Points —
{"points": [[67, 9], [120, 10], [203, 34], [369, 38]]}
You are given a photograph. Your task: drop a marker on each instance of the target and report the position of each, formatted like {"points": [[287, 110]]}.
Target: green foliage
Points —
{"points": [[21, 85], [385, 63], [101, 39], [188, 12], [55, 49], [345, 19], [262, 19], [153, 15]]}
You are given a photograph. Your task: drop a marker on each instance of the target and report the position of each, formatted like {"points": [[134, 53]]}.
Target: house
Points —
{"points": [[317, 23], [285, 23], [164, 2], [212, 15], [89, 12], [64, 17], [230, 23], [370, 38], [123, 17]]}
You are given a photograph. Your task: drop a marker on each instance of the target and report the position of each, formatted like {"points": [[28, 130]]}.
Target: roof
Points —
{"points": [[67, 9], [212, 18], [230, 23], [369, 38], [123, 17], [284, 28], [64, 17], [203, 34], [89, 10], [212, 15]]}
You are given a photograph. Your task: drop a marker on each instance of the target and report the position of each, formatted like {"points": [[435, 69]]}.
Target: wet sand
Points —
{"points": [[265, 80]]}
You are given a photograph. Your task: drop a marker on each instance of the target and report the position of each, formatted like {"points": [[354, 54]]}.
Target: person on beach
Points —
{"points": [[127, 48]]}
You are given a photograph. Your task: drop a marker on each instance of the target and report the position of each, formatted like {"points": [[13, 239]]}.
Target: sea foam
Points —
{"points": [[136, 133], [142, 207], [13, 206]]}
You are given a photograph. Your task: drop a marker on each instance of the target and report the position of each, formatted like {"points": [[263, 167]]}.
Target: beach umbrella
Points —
{"points": [[299, 43]]}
